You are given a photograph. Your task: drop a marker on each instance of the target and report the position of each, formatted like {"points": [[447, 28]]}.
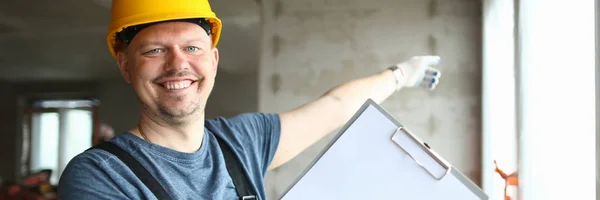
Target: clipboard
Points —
{"points": [[375, 157]]}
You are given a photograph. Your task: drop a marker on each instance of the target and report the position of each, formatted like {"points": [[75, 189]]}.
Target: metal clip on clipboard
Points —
{"points": [[401, 135]]}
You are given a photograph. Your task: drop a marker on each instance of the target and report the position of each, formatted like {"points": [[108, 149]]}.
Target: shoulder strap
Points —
{"points": [[137, 169], [238, 175]]}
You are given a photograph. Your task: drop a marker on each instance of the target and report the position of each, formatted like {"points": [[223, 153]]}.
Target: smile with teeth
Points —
{"points": [[177, 85]]}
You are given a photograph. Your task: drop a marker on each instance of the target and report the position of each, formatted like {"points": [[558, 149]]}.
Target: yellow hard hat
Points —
{"points": [[126, 13]]}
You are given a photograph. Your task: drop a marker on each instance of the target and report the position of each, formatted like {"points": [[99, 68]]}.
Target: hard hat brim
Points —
{"points": [[121, 24]]}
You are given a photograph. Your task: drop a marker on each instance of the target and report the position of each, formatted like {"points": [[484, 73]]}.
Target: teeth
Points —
{"points": [[176, 85]]}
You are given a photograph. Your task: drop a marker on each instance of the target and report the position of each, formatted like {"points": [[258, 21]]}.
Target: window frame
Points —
{"points": [[28, 110]]}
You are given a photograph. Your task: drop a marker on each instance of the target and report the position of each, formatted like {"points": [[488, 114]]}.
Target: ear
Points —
{"points": [[122, 62], [215, 58]]}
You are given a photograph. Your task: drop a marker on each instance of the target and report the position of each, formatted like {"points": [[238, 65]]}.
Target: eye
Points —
{"points": [[154, 51], [192, 49]]}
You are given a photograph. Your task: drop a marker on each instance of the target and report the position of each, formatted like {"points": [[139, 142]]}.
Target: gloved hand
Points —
{"points": [[418, 72]]}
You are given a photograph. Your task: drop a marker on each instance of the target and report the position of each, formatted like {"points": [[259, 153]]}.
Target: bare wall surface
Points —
{"points": [[310, 46], [234, 93]]}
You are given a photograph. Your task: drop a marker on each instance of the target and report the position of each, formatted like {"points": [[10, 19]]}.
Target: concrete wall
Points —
{"points": [[310, 46], [234, 93]]}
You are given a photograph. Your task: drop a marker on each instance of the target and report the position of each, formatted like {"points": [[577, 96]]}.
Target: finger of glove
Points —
{"points": [[429, 82], [416, 69], [430, 79], [428, 85], [433, 72]]}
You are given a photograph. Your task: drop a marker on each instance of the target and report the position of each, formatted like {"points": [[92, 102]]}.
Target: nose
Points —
{"points": [[177, 61]]}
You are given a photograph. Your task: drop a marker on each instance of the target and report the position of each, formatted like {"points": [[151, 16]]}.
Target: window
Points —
{"points": [[541, 121], [557, 136], [59, 130]]}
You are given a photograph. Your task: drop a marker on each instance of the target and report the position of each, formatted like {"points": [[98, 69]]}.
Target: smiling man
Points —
{"points": [[167, 51]]}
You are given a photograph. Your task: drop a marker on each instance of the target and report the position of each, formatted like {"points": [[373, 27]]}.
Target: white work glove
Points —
{"points": [[418, 72]]}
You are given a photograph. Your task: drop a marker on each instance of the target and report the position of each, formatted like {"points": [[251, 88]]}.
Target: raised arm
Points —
{"points": [[305, 125]]}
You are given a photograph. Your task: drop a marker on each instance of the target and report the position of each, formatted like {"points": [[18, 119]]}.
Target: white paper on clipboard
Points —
{"points": [[376, 157]]}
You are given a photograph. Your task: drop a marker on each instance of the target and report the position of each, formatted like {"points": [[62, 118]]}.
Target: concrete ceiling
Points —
{"points": [[64, 39]]}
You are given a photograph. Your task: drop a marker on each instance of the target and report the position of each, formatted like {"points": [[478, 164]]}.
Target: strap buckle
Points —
{"points": [[249, 197]]}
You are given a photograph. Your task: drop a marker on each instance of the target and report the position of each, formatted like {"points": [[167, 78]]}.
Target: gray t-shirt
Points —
{"points": [[96, 174]]}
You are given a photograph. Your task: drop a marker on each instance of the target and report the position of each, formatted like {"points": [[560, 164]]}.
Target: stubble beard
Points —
{"points": [[174, 116]]}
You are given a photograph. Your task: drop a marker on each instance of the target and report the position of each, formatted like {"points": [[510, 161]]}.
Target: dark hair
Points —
{"points": [[124, 37]]}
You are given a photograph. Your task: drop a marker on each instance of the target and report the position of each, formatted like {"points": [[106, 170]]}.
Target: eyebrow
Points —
{"points": [[159, 43]]}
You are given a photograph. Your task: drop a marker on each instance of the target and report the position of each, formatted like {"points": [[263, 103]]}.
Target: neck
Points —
{"points": [[184, 138]]}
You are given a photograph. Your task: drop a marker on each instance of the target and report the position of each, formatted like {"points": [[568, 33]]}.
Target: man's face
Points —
{"points": [[172, 67]]}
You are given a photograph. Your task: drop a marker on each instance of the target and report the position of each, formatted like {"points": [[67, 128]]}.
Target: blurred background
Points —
{"points": [[518, 85]]}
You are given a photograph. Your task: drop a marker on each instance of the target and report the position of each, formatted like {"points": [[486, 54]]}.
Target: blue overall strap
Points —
{"points": [[137, 169], [238, 176]]}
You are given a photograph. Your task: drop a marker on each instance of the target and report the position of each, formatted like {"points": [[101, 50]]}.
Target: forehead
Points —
{"points": [[171, 32]]}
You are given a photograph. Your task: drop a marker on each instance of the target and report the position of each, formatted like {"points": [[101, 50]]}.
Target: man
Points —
{"points": [[167, 51]]}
